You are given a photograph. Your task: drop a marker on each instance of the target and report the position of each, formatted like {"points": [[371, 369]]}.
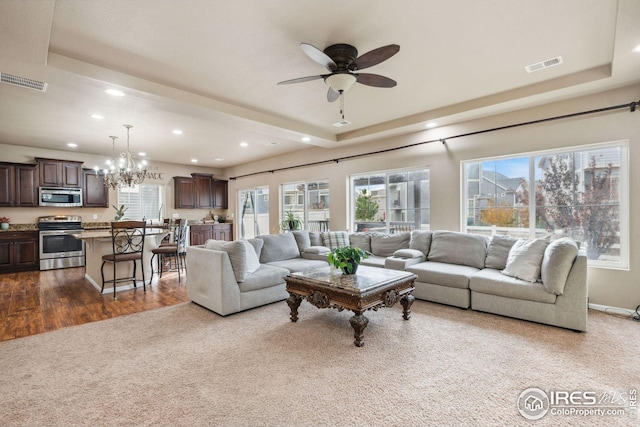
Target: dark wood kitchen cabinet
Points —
{"points": [[18, 185], [19, 251], [184, 192], [201, 191], [204, 190], [60, 173], [200, 233], [94, 193], [220, 199]]}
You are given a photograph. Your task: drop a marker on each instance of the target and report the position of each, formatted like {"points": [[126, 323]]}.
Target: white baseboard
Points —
{"points": [[608, 309]]}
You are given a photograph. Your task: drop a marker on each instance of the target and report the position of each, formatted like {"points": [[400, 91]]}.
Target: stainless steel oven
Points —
{"points": [[59, 243]]}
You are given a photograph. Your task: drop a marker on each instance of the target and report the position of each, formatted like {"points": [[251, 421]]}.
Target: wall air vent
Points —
{"points": [[544, 64], [23, 82]]}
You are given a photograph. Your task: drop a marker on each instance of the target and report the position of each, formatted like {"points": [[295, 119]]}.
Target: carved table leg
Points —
{"points": [[358, 322], [294, 302], [406, 302]]}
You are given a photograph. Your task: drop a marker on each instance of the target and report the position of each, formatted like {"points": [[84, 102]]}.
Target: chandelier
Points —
{"points": [[123, 171]]}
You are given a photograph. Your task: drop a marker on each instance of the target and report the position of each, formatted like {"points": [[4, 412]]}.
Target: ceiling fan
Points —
{"points": [[343, 63]]}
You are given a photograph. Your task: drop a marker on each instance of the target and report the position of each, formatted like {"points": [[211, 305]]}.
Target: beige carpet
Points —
{"points": [[184, 365]]}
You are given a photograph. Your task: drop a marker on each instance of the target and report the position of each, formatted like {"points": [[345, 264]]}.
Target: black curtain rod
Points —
{"points": [[631, 106]]}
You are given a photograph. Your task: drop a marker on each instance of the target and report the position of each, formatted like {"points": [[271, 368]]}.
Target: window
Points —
{"points": [[142, 202], [308, 201], [254, 212], [577, 193], [391, 201]]}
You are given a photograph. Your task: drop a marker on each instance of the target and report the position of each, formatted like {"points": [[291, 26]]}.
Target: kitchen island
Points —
{"points": [[98, 243]]}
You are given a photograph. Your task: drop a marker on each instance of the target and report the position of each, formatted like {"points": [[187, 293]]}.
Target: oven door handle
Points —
{"points": [[54, 232]]}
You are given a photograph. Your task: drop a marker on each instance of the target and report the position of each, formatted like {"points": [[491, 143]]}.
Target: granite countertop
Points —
{"points": [[21, 227]]}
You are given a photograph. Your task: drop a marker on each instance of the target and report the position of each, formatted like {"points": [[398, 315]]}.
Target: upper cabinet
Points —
{"points": [[59, 173], [201, 191], [94, 193], [18, 185]]}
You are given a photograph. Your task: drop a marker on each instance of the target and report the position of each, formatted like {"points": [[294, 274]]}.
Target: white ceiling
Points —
{"points": [[210, 68]]}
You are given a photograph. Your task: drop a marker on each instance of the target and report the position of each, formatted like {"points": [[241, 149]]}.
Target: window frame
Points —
{"points": [[301, 199], [622, 177]]}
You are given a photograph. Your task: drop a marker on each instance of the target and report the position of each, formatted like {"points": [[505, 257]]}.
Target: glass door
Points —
{"points": [[254, 212]]}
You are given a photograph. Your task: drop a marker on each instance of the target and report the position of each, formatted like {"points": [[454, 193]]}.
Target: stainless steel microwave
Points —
{"points": [[60, 197]]}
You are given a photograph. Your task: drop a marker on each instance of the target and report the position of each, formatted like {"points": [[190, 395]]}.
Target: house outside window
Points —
{"points": [[393, 201], [579, 193], [308, 201], [142, 202]]}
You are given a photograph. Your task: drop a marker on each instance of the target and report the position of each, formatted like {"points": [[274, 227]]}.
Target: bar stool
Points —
{"points": [[127, 241], [176, 250]]}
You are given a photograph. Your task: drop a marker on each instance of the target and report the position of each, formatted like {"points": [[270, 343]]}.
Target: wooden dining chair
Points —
{"points": [[127, 241]]}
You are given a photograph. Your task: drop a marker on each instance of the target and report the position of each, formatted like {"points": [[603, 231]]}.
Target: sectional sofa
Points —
{"points": [[534, 280]]}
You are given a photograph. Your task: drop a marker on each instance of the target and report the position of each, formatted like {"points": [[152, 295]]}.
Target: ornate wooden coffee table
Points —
{"points": [[369, 289]]}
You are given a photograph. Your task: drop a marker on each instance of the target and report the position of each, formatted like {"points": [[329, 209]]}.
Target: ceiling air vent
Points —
{"points": [[544, 64], [23, 82], [342, 123]]}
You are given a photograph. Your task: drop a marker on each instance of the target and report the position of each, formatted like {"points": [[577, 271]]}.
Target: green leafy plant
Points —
{"points": [[347, 258], [366, 207], [119, 212], [291, 222]]}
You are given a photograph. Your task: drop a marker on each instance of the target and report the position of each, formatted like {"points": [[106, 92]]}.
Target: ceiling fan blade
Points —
{"points": [[332, 95], [301, 80], [374, 57], [375, 80], [319, 56]]}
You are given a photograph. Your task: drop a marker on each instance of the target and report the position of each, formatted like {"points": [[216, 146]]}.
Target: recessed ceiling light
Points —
{"points": [[114, 92], [431, 125], [272, 144], [244, 144], [142, 154], [306, 139], [218, 159], [194, 160], [176, 132], [636, 49], [97, 116], [72, 144]]}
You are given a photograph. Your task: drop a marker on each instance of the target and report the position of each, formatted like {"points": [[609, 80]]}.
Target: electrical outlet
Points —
{"points": [[95, 216], [176, 215]]}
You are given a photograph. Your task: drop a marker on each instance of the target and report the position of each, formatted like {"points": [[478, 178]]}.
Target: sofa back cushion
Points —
{"points": [[242, 255], [302, 239], [525, 259], [257, 245], [335, 239], [453, 247], [556, 264], [421, 241], [360, 240], [498, 251], [278, 247], [383, 244]]}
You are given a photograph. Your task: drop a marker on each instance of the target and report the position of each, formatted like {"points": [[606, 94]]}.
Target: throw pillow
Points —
{"points": [[420, 240], [302, 239], [498, 251], [237, 251], [257, 245], [315, 238], [556, 264], [360, 240], [383, 244], [525, 259], [335, 239]]}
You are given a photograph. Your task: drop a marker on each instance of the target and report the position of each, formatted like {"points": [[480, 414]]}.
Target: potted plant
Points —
{"points": [[347, 258], [291, 222], [4, 223], [119, 212]]}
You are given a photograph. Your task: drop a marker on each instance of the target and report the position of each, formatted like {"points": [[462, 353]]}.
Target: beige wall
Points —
{"points": [[618, 288], [161, 173]]}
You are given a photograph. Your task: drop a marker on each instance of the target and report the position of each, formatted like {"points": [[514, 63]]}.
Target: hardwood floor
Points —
{"points": [[42, 301]]}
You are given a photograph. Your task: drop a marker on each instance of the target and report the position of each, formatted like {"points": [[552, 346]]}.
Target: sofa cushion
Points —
{"points": [[335, 239], [443, 274], [265, 277], [498, 251], [242, 255], [458, 248], [374, 261], [278, 247], [299, 264], [302, 239], [384, 245], [492, 282], [315, 238], [556, 264], [421, 241], [408, 253], [525, 259], [360, 240]]}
